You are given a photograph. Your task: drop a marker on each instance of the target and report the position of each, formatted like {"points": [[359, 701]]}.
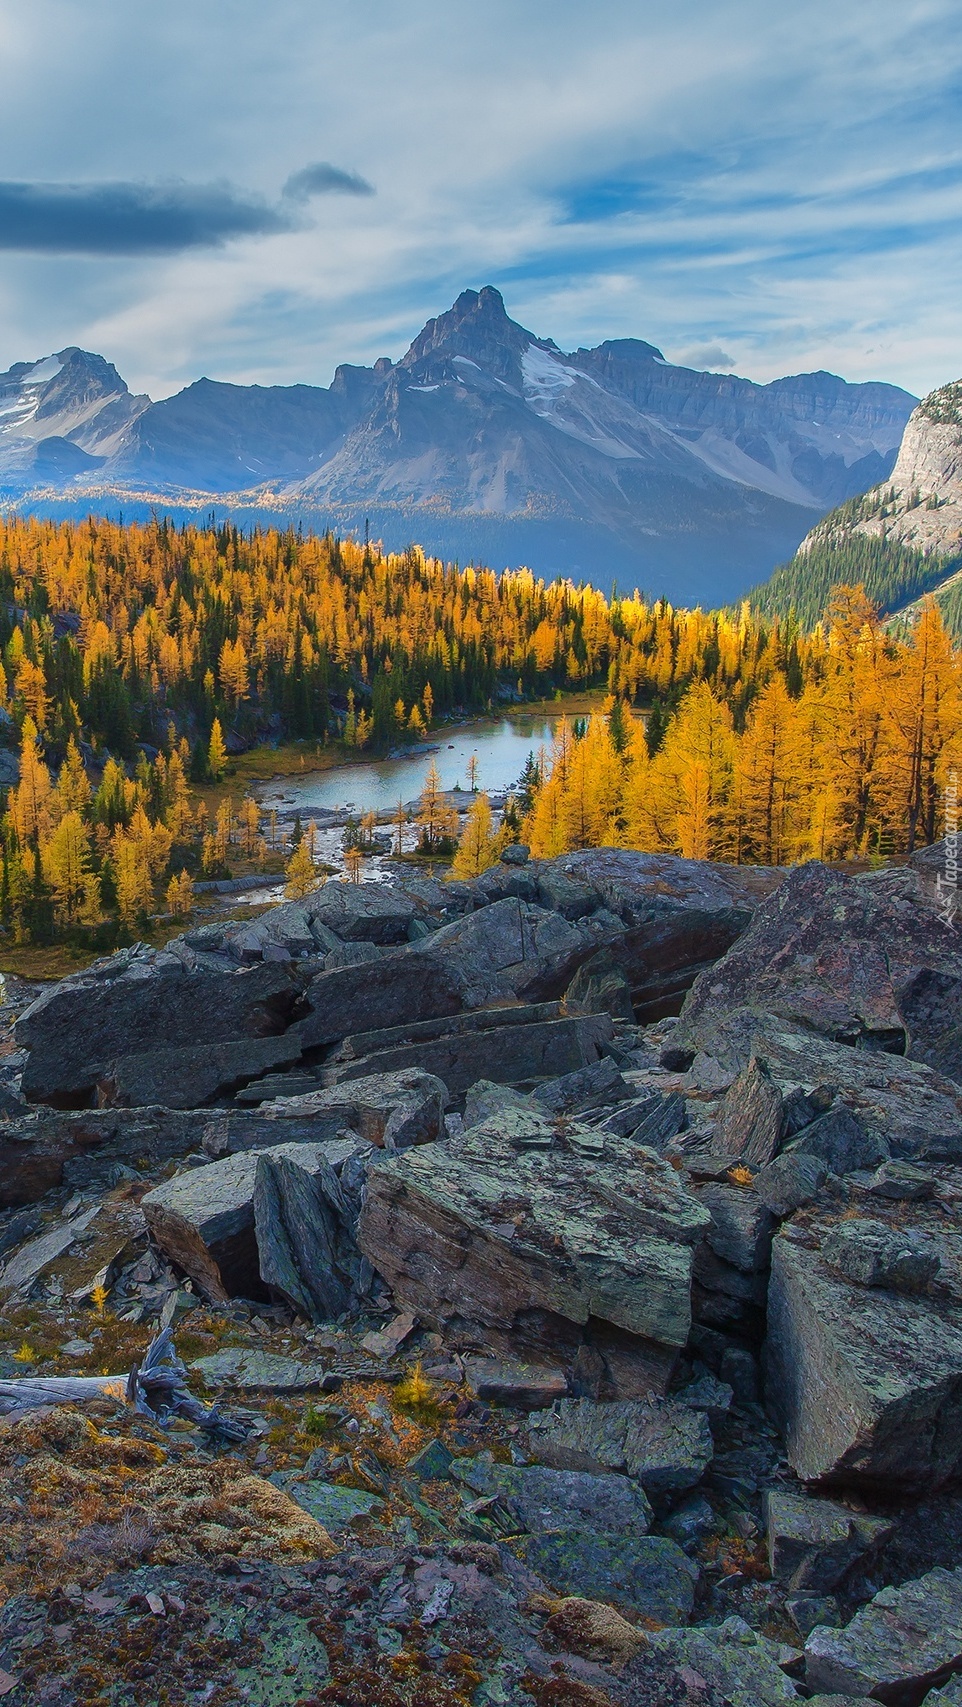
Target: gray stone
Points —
{"points": [[254, 1371], [790, 1181], [664, 1121], [392, 1110], [305, 1225], [361, 912], [75, 1030], [898, 1647], [204, 1220], [564, 894], [485, 1099], [337, 1509], [873, 1254], [865, 1383], [540, 1498], [750, 1122], [351, 954], [690, 1522], [740, 1370], [901, 1182], [511, 1381], [188, 1078], [731, 1658], [807, 1611], [851, 959], [660, 1443], [950, 1696], [813, 1544], [586, 1088], [840, 1140], [487, 1236], [397, 989], [509, 949], [516, 853], [647, 1574], [24, 1266], [741, 1226], [511, 1053], [707, 1393], [600, 987]]}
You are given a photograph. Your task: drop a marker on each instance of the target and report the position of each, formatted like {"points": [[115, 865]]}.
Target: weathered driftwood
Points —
{"points": [[157, 1388]]}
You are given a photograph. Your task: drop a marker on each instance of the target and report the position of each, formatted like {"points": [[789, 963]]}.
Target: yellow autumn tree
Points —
{"points": [[479, 844], [301, 873], [216, 752], [691, 776]]}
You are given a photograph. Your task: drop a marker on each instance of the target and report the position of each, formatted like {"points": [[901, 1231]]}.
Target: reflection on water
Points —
{"points": [[501, 749]]}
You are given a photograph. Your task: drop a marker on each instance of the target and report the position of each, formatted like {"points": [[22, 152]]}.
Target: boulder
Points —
{"points": [[585, 1088], [187, 1078], [362, 912], [681, 916], [813, 1544], [905, 1642], [250, 1370], [648, 1575], [865, 1382], [729, 1658], [664, 1445], [204, 1220], [540, 1498], [391, 1110], [305, 1227], [600, 987], [790, 1181], [49, 1148], [750, 1122], [870, 1104], [508, 950], [512, 1053], [741, 1226], [541, 1238], [864, 960], [398, 989], [77, 1029], [873, 1254]]}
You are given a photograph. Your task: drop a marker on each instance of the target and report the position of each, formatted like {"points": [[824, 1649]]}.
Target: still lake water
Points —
{"points": [[501, 748]]}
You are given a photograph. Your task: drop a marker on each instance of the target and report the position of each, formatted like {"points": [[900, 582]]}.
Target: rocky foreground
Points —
{"points": [[545, 1289]]}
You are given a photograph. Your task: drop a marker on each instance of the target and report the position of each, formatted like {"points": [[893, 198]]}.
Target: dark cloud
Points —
{"points": [[130, 219], [325, 180]]}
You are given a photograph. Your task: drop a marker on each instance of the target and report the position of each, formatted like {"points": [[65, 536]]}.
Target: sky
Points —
{"points": [[256, 192]]}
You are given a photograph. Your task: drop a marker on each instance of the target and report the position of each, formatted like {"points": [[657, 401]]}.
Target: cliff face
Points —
{"points": [[920, 504]]}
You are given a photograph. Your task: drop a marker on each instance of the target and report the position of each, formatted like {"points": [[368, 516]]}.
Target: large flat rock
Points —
{"points": [[897, 1648], [864, 960], [865, 1381], [75, 1031], [520, 1230], [506, 1054]]}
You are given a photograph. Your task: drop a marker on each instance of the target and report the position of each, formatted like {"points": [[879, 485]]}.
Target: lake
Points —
{"points": [[501, 746]]}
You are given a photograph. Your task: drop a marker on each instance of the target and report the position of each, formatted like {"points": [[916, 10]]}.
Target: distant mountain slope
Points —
{"points": [[485, 440], [903, 538]]}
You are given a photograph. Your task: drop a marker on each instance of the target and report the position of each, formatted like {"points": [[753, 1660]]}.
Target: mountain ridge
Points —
{"points": [[609, 462]]}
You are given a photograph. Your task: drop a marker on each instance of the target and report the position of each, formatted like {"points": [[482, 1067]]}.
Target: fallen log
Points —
{"points": [[157, 1388]]}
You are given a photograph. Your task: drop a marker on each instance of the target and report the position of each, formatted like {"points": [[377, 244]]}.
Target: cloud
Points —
{"points": [[130, 219], [706, 355], [322, 179]]}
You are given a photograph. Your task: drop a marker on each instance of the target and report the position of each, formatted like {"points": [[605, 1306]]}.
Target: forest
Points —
{"points": [[137, 659]]}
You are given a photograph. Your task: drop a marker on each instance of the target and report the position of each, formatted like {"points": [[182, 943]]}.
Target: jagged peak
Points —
{"points": [[944, 405]]}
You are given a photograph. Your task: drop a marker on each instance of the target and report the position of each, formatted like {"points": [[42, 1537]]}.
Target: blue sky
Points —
{"points": [[256, 192]]}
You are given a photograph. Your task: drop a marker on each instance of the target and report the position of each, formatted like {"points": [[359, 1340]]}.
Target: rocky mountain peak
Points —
{"points": [[478, 329]]}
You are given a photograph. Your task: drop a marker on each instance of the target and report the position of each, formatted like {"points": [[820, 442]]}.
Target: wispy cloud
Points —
{"points": [[325, 180], [780, 184]]}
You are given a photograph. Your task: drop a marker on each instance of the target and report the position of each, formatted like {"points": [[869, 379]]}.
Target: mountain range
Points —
{"points": [[484, 442]]}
